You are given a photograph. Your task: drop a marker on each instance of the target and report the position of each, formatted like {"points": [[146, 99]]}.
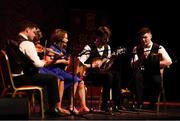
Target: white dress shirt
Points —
{"points": [[86, 53], [29, 49], [165, 55]]}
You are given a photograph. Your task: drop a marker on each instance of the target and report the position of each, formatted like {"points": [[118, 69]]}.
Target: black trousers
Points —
{"points": [[107, 80], [48, 81], [149, 82]]}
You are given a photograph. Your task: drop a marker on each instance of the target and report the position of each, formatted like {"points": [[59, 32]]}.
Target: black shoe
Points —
{"points": [[105, 107], [139, 106], [55, 112], [117, 108]]}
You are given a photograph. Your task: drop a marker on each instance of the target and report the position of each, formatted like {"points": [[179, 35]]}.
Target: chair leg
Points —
{"points": [[91, 96], [14, 93], [158, 102], [42, 104], [32, 103], [162, 93], [164, 98], [110, 99], [100, 98]]}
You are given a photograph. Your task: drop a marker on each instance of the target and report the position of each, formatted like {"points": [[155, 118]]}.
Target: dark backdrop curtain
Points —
{"points": [[47, 14]]}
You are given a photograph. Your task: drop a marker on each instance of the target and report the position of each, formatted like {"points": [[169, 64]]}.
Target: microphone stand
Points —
{"points": [[91, 108]]}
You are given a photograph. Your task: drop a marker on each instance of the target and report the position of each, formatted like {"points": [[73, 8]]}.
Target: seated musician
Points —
{"points": [[92, 57], [149, 58], [25, 63], [57, 51]]}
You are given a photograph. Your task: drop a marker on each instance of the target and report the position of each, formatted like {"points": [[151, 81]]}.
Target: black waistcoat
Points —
{"points": [[18, 60], [152, 62]]}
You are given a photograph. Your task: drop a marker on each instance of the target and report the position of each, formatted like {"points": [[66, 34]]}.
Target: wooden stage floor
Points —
{"points": [[168, 111]]}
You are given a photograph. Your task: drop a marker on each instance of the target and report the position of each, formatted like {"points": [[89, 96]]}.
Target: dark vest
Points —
{"points": [[152, 62], [95, 54], [19, 61]]}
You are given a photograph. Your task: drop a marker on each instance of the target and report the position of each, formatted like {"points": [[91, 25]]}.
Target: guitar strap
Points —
{"points": [[105, 53]]}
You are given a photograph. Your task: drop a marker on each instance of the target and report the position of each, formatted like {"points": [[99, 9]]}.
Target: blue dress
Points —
{"points": [[60, 73]]}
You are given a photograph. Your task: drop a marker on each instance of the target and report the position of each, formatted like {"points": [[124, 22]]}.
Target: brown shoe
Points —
{"points": [[84, 109], [64, 111]]}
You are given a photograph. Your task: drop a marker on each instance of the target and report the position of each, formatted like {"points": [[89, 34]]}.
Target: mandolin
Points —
{"points": [[106, 63], [79, 69]]}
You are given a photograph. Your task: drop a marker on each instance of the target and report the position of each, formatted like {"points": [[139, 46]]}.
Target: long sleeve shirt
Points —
{"points": [[86, 53], [29, 49]]}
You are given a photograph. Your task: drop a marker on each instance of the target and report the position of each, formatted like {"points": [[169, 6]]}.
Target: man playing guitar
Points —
{"points": [[92, 57]]}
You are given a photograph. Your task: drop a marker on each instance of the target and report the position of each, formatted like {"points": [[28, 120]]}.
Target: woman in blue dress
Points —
{"points": [[59, 39]]}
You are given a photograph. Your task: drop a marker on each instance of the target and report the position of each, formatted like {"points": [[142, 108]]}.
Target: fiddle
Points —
{"points": [[49, 52], [41, 49]]}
